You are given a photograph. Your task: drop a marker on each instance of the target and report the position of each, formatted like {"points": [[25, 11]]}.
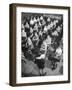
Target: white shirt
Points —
{"points": [[31, 22], [45, 29], [41, 18], [23, 33], [30, 42], [27, 25], [51, 25], [55, 33], [35, 20], [31, 30], [22, 26], [40, 33], [58, 51], [41, 57], [58, 29], [48, 40], [48, 19], [48, 27]]}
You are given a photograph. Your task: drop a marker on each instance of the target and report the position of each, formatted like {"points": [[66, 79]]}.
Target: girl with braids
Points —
{"points": [[40, 60]]}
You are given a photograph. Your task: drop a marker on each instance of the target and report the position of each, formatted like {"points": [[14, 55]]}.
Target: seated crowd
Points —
{"points": [[42, 39]]}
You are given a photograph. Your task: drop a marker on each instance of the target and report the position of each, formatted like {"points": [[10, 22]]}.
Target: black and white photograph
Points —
{"points": [[41, 44], [40, 53]]}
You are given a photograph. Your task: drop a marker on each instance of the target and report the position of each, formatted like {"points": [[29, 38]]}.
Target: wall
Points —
{"points": [[4, 45]]}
